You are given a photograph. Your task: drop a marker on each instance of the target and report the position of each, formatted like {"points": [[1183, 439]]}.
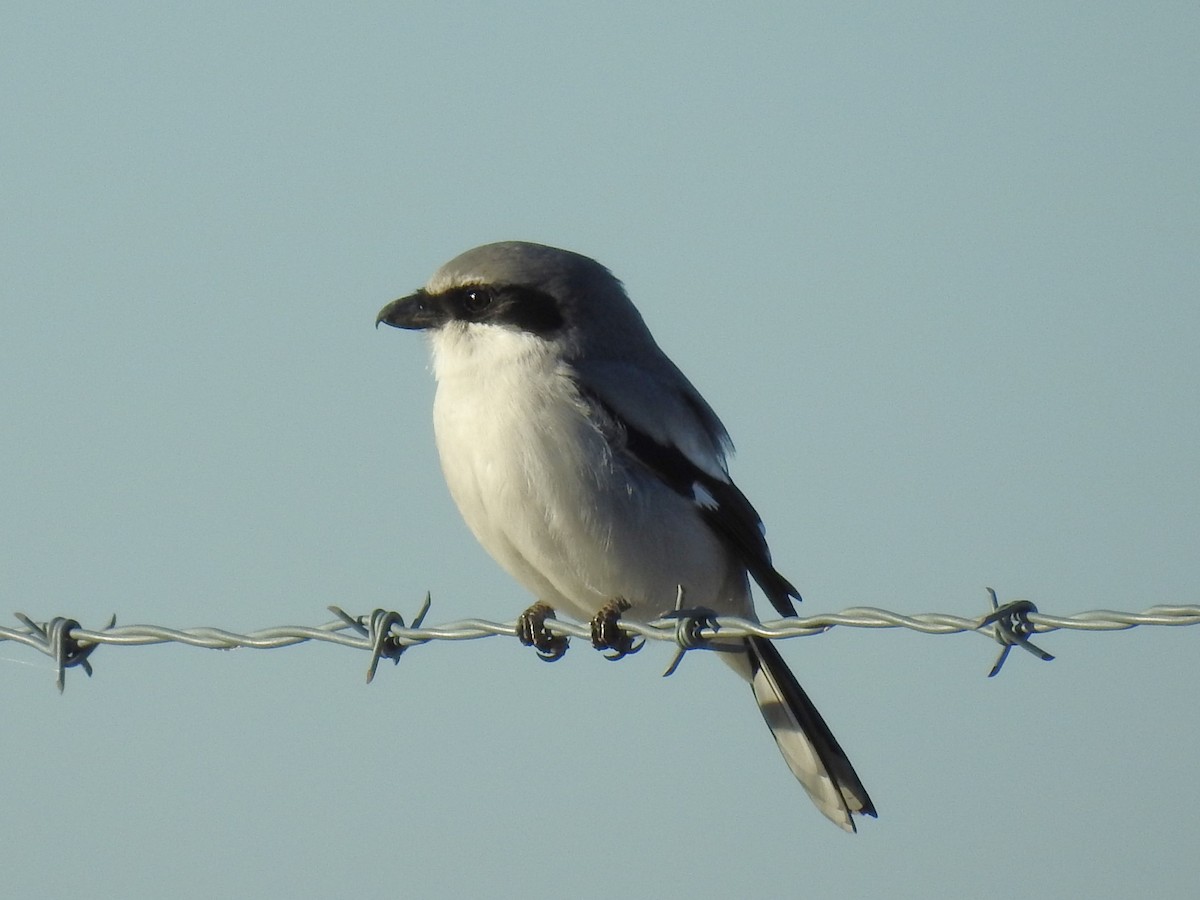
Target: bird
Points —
{"points": [[596, 475]]}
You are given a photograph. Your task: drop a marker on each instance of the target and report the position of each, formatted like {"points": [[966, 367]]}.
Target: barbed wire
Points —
{"points": [[385, 635]]}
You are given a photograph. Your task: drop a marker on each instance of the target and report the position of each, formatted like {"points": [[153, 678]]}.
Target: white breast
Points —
{"points": [[538, 485]]}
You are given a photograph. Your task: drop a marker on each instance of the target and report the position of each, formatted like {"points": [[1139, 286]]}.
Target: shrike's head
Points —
{"points": [[517, 308], [559, 297]]}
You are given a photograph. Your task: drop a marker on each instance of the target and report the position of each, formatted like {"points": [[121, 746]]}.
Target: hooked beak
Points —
{"points": [[414, 312]]}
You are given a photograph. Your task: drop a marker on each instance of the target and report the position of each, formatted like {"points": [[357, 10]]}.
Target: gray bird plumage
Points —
{"points": [[591, 469]]}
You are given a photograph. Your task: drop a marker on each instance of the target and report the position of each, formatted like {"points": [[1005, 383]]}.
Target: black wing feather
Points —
{"points": [[730, 515]]}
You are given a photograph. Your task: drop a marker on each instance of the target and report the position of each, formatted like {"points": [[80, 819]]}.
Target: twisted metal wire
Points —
{"points": [[386, 636]]}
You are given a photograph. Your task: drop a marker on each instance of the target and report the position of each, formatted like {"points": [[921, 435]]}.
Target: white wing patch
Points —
{"points": [[702, 497]]}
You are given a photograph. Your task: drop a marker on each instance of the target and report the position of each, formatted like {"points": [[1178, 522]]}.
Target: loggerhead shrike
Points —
{"points": [[589, 467]]}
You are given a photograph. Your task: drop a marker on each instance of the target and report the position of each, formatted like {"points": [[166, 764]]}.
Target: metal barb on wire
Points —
{"points": [[59, 644], [377, 628], [1010, 625], [689, 627]]}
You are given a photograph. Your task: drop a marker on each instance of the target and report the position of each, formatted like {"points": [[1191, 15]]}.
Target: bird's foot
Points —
{"points": [[607, 633], [532, 632]]}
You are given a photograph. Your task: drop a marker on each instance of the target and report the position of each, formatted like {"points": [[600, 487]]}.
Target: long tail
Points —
{"points": [[812, 752]]}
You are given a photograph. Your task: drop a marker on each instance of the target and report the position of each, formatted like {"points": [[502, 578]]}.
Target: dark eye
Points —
{"points": [[476, 300]]}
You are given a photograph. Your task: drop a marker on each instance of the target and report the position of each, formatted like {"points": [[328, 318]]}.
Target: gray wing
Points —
{"points": [[665, 425]]}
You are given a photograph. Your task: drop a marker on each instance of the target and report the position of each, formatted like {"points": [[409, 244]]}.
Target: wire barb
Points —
{"points": [[1010, 625], [59, 643], [377, 628], [689, 627]]}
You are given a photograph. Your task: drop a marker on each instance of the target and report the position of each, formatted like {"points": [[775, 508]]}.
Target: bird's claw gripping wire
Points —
{"points": [[61, 646], [532, 632], [377, 628], [1010, 627], [607, 633]]}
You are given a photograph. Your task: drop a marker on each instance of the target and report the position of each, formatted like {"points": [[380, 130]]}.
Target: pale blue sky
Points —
{"points": [[937, 267]]}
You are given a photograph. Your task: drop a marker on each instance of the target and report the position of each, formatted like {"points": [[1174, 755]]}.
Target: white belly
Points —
{"points": [[537, 485]]}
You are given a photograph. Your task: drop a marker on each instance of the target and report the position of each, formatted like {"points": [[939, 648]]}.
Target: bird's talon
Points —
{"points": [[607, 633], [532, 632], [622, 652]]}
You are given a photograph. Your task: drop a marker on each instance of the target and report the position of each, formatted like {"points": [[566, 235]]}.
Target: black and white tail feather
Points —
{"points": [[809, 747]]}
